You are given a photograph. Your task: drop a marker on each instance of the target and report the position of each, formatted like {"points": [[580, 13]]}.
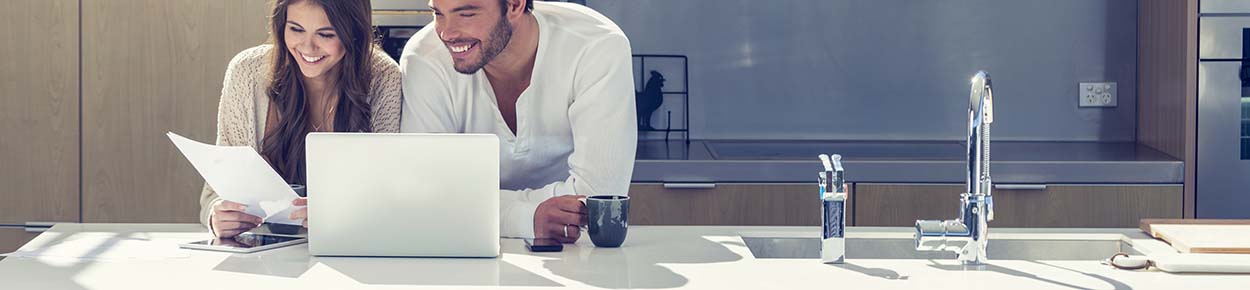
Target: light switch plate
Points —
{"points": [[1098, 95]]}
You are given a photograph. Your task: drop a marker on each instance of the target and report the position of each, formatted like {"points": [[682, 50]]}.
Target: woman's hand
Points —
{"points": [[229, 220], [300, 213]]}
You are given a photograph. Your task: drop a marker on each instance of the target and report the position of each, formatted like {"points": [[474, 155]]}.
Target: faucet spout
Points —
{"points": [[966, 235], [980, 115]]}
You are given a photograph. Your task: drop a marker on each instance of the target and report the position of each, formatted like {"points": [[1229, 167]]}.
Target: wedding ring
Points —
{"points": [[566, 231]]}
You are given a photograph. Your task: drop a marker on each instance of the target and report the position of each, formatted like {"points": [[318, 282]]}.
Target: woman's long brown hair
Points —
{"points": [[284, 146]]}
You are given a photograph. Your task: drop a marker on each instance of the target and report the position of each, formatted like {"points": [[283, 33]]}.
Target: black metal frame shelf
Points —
{"points": [[685, 93]]}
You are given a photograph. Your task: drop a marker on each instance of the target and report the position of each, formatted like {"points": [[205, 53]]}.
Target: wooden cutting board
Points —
{"points": [[1201, 236]]}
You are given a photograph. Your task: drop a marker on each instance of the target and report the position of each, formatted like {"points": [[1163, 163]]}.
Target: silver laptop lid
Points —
{"points": [[432, 195]]}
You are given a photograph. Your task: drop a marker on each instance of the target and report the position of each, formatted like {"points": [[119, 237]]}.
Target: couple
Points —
{"points": [[552, 80]]}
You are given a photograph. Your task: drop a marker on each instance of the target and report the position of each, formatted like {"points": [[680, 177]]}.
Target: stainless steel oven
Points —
{"points": [[397, 20], [1223, 165]]}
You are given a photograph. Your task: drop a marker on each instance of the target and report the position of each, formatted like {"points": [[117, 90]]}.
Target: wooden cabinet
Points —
{"points": [[39, 152], [1051, 206], [150, 67], [12, 238], [902, 205], [1167, 83], [790, 204]]}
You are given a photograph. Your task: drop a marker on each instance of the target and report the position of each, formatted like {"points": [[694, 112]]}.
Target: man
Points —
{"points": [[553, 80]]}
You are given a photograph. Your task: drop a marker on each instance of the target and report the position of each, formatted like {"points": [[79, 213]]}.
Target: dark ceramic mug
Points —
{"points": [[609, 219]]}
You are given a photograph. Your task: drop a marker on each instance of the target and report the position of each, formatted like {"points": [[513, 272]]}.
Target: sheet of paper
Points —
{"points": [[239, 174], [103, 247]]}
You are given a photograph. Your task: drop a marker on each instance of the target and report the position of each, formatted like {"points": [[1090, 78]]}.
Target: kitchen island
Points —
{"points": [[144, 256]]}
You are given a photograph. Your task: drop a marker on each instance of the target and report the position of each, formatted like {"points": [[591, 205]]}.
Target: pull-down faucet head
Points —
{"points": [[967, 234]]}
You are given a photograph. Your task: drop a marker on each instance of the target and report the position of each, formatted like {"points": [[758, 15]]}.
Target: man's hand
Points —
{"points": [[229, 220], [559, 215], [300, 213]]}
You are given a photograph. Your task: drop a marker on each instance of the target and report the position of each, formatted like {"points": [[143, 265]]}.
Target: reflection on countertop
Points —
{"points": [[653, 257], [902, 161]]}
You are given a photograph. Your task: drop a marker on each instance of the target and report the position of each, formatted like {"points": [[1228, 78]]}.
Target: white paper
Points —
{"points": [[239, 174], [103, 247]]}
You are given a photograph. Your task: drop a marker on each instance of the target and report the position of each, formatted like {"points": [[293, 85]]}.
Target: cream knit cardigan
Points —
{"points": [[244, 106]]}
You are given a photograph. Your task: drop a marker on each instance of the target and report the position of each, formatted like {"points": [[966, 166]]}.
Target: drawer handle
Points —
{"points": [[1020, 186], [38, 227], [689, 186]]}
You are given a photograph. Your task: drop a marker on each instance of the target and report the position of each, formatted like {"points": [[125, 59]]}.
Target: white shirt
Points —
{"points": [[576, 123]]}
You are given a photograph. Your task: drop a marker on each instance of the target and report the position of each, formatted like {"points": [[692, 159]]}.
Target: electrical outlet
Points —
{"points": [[1097, 95]]}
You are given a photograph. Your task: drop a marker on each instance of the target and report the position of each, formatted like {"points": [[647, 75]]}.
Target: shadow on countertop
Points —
{"points": [[268, 263], [388, 270], [1018, 273], [874, 272], [637, 264], [435, 272]]}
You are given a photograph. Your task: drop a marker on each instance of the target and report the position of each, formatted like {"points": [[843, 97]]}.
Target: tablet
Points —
{"points": [[245, 243]]}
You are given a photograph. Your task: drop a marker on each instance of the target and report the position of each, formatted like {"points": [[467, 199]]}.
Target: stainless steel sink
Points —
{"points": [[905, 248]]}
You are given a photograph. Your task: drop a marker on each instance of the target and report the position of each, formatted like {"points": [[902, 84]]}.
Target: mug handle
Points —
{"points": [[582, 199]]}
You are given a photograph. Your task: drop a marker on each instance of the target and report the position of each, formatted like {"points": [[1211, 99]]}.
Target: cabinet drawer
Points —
{"points": [[12, 238], [789, 204], [1097, 206]]}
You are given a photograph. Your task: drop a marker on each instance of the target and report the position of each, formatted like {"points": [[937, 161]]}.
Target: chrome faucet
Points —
{"points": [[967, 234]]}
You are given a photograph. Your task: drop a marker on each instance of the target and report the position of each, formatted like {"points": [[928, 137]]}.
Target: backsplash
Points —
{"points": [[890, 69]]}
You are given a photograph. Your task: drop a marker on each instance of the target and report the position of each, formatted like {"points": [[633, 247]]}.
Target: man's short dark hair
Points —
{"points": [[529, 5]]}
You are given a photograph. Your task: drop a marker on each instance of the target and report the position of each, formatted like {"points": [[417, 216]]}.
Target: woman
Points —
{"points": [[320, 72]]}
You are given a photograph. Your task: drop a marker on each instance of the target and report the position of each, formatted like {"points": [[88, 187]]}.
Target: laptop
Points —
{"points": [[403, 195]]}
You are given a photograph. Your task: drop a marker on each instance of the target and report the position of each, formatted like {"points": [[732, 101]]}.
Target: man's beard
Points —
{"points": [[491, 47]]}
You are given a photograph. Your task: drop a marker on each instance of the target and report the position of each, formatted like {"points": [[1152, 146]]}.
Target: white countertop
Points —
{"points": [[690, 257]]}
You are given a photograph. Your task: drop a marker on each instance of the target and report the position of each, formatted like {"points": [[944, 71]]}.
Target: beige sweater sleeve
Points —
{"points": [[242, 95]]}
